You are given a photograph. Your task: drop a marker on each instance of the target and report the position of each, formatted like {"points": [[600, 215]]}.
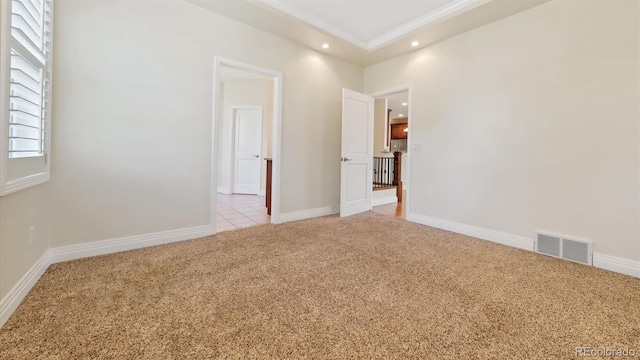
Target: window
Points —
{"points": [[26, 59]]}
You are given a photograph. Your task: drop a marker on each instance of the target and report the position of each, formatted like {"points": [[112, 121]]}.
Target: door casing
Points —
{"points": [[394, 90], [276, 76]]}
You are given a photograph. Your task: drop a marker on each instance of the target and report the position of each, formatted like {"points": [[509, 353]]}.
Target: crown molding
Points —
{"points": [[315, 21], [424, 20], [274, 17], [386, 38]]}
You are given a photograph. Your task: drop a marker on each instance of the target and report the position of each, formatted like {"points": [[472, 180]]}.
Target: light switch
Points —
{"points": [[416, 147]]}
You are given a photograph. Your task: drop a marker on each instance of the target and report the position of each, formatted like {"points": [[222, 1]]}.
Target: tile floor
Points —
{"points": [[238, 211]]}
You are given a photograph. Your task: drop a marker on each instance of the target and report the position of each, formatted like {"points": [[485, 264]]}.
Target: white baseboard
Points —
{"points": [[224, 190], [262, 193], [307, 214], [517, 241], [95, 248], [11, 301], [384, 200], [616, 264], [71, 252]]}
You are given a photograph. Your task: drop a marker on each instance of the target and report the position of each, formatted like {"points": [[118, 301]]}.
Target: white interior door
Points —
{"points": [[247, 150], [356, 177]]}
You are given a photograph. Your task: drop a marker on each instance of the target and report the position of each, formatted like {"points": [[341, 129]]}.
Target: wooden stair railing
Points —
{"points": [[397, 174], [387, 173]]}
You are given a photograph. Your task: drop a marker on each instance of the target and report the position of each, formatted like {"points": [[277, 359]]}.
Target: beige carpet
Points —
{"points": [[364, 287]]}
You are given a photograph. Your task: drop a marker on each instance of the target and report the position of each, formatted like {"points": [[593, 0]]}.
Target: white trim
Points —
{"points": [[431, 17], [308, 214], [8, 186], [12, 300], [315, 21], [394, 90], [606, 262], [276, 76], [25, 182], [276, 149], [5, 73], [224, 190], [103, 247], [262, 193], [517, 241], [616, 264]]}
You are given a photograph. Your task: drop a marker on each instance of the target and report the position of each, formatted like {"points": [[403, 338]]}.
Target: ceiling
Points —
{"points": [[366, 32], [369, 23], [395, 102]]}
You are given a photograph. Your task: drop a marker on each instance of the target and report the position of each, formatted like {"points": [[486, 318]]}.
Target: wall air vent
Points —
{"points": [[564, 248]]}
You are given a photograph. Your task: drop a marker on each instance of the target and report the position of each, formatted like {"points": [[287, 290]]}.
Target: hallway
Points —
{"points": [[238, 211], [394, 209]]}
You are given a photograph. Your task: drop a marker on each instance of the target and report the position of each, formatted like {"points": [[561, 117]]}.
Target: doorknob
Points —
{"points": [[256, 155], [345, 159]]}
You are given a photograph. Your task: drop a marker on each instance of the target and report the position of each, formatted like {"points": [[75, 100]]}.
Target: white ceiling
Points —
{"points": [[395, 102], [370, 23], [366, 32]]}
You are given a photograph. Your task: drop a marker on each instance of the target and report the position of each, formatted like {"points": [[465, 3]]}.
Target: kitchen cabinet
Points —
{"points": [[398, 131]]}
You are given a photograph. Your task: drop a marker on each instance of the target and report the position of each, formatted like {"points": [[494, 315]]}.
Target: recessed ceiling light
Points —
{"points": [[415, 43], [325, 46], [404, 104], [400, 115]]}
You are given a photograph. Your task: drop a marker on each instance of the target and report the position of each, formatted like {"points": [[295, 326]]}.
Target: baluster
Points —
{"points": [[378, 172], [381, 170]]}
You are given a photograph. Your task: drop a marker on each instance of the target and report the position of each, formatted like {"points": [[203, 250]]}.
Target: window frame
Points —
{"points": [[37, 167]]}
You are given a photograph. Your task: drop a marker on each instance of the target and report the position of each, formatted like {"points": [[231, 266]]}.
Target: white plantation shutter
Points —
{"points": [[26, 92], [30, 72], [26, 128]]}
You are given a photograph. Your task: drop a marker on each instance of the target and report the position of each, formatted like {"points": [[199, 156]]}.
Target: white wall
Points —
{"points": [[132, 120], [143, 161], [256, 92], [379, 124], [530, 123], [19, 249]]}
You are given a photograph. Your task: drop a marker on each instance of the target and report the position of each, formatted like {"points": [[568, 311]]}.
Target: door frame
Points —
{"points": [[276, 76], [394, 90], [234, 135]]}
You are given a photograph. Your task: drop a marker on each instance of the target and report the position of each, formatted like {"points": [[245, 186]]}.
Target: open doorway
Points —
{"points": [[245, 145], [391, 152]]}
